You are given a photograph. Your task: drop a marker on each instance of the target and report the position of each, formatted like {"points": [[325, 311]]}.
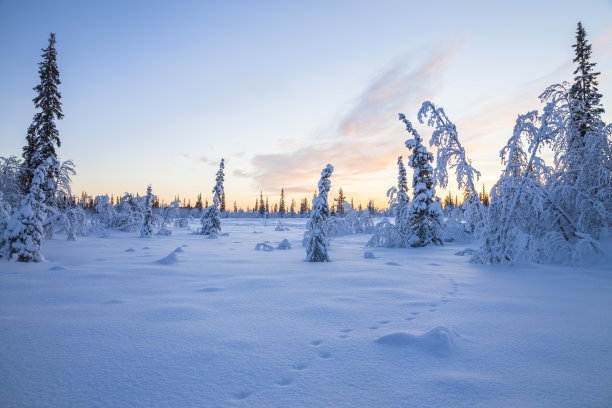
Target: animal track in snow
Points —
{"points": [[299, 366], [284, 381], [240, 395], [208, 290]]}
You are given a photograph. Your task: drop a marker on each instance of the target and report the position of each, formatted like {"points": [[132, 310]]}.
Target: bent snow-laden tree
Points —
{"points": [[317, 226], [211, 224], [451, 154], [146, 230], [525, 220], [23, 235], [424, 213], [582, 182], [542, 214], [518, 198]]}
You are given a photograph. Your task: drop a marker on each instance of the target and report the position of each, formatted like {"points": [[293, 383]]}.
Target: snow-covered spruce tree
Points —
{"points": [[146, 230], [425, 212], [211, 224], [23, 235], [586, 108], [317, 226], [582, 182], [452, 154], [43, 137]]}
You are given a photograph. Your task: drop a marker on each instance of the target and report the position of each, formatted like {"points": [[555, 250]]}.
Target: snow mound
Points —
{"points": [[440, 339], [263, 246], [169, 260], [130, 250], [146, 248], [284, 244], [466, 251], [369, 255], [57, 268], [178, 250], [391, 263]]}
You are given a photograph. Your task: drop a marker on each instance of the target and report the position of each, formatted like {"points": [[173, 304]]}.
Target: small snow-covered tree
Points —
{"points": [[451, 154], [105, 215], [402, 201], [395, 235], [5, 216], [23, 235], [339, 203], [146, 230], [10, 187], [211, 224], [74, 221], [169, 213], [317, 226], [129, 213], [282, 210], [425, 212]]}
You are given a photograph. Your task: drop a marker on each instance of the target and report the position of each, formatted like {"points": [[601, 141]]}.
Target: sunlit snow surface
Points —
{"points": [[186, 321]]}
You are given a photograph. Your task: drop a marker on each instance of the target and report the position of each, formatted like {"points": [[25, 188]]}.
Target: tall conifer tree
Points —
{"points": [[42, 137]]}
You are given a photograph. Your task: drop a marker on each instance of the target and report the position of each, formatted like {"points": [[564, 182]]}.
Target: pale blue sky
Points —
{"points": [[157, 92]]}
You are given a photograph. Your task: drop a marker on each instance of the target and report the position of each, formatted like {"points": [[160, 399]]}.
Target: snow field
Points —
{"points": [[187, 321]]}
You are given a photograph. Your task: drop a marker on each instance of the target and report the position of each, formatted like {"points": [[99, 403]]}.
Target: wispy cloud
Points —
{"points": [[201, 159], [368, 138]]}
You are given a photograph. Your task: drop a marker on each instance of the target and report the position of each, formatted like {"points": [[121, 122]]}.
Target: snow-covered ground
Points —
{"points": [[218, 324]]}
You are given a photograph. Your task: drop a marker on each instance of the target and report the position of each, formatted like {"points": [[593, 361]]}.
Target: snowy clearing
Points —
{"points": [[182, 321]]}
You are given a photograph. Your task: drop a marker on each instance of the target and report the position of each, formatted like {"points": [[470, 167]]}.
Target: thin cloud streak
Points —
{"points": [[368, 138]]}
